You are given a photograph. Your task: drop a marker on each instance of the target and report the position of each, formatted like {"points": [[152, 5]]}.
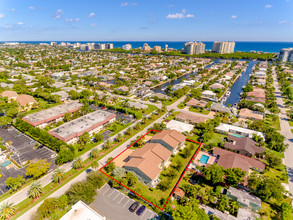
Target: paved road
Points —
{"points": [[285, 131], [29, 214], [109, 199]]}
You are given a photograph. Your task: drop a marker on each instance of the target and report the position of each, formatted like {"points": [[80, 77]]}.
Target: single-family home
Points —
{"points": [[243, 145], [249, 114]]}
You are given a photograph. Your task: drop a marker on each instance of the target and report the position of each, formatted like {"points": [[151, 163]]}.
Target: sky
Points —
{"points": [[146, 20]]}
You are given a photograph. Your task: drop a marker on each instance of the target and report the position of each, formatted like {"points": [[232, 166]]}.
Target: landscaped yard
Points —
{"points": [[272, 121], [291, 123], [199, 110], [216, 138]]}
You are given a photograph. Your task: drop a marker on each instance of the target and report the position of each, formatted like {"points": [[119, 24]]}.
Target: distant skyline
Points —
{"points": [[163, 20]]}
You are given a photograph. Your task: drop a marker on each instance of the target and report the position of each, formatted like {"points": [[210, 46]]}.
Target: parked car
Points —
{"points": [[134, 206], [88, 170], [140, 210]]}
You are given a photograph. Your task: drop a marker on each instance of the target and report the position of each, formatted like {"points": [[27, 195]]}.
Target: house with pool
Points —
{"points": [[238, 131]]}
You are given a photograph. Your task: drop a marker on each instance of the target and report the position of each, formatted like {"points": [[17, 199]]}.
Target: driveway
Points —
{"points": [[114, 205]]}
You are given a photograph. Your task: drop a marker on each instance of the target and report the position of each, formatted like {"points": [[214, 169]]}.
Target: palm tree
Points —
{"points": [[115, 100], [125, 104], [95, 164], [119, 137], [58, 175], [234, 206], [223, 203], [6, 210], [107, 144], [77, 163], [94, 153], [35, 190]]}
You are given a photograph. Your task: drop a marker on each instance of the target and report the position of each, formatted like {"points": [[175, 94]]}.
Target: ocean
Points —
{"points": [[272, 47]]}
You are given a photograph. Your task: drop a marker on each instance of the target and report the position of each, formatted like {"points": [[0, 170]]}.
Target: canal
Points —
{"points": [[236, 89], [161, 88]]}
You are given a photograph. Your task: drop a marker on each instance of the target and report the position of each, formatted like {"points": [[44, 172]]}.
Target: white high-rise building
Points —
{"points": [[166, 47], [194, 48], [109, 46], [127, 47], [53, 43], [223, 47], [286, 55]]}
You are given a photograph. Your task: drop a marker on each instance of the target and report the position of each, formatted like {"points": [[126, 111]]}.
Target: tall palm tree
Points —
{"points": [[58, 175], [35, 190], [94, 153], [77, 163], [95, 164], [6, 210], [115, 100]]}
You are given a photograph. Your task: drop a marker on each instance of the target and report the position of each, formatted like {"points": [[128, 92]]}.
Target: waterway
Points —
{"points": [[236, 89], [161, 88]]}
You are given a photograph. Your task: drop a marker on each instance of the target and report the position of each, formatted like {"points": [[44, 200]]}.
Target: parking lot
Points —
{"points": [[114, 205], [22, 149]]}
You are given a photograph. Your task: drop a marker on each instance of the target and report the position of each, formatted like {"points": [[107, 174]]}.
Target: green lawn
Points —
{"points": [[279, 154], [116, 127], [291, 123], [198, 110], [181, 106], [277, 174], [172, 116], [216, 138], [272, 121]]}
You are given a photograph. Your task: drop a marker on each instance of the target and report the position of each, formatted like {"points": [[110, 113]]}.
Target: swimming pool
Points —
{"points": [[204, 159], [237, 135]]}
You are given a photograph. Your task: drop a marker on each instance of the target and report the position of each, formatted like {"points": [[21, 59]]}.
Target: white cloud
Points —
{"points": [[183, 10], [282, 22], [179, 16], [171, 6], [128, 4], [8, 26], [69, 19], [59, 13], [12, 9], [92, 14], [234, 16], [32, 7], [2, 16], [20, 23], [94, 25], [268, 6], [77, 19]]}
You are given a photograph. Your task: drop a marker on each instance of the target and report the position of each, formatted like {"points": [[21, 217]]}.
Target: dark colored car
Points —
{"points": [[88, 170], [140, 210], [134, 206]]}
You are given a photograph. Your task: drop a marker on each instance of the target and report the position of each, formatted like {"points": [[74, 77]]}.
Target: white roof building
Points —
{"points": [[82, 211], [226, 128], [179, 126]]}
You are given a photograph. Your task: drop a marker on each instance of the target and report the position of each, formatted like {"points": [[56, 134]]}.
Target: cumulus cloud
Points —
{"points": [[179, 16], [32, 7], [12, 9], [77, 19], [20, 23], [268, 6], [92, 14], [2, 16], [59, 13], [128, 4], [94, 25], [234, 16]]}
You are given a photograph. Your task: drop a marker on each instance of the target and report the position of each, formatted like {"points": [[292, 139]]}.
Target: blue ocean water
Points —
{"points": [[273, 47]]}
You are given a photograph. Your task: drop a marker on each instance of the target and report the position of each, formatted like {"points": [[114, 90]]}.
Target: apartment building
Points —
{"points": [[223, 47], [194, 48]]}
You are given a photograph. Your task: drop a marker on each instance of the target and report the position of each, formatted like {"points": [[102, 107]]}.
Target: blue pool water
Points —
{"points": [[237, 135], [204, 159]]}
